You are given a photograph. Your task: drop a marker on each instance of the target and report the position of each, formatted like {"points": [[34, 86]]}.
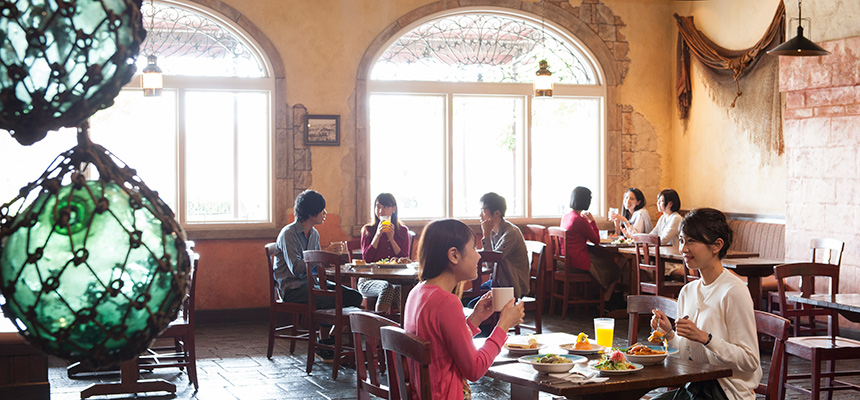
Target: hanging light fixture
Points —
{"points": [[152, 80], [543, 77], [799, 46]]}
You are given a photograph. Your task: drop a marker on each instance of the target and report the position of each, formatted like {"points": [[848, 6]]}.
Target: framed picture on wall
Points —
{"points": [[322, 130]]}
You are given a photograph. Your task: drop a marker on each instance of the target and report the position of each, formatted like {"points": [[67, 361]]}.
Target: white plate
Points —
{"points": [[522, 352], [649, 359], [552, 368], [595, 348], [636, 367]]}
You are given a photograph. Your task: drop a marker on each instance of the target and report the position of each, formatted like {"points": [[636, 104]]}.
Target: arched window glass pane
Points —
{"points": [[193, 44], [481, 47]]}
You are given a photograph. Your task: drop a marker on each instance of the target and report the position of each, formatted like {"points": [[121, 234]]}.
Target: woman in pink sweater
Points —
{"points": [[447, 256]]}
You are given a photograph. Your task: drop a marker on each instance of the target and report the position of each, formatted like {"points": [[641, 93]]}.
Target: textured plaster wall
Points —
{"points": [[714, 162], [322, 43]]}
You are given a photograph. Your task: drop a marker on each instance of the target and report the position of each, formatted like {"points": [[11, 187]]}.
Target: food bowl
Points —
{"points": [[609, 372], [649, 359], [549, 368]]}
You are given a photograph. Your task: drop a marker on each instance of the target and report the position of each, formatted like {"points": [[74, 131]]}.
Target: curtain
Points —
{"points": [[717, 58]]}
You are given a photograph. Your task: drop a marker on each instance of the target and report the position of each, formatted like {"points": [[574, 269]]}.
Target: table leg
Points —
{"points": [[129, 383], [754, 286]]}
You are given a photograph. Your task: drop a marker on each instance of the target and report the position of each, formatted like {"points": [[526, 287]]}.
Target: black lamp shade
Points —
{"points": [[799, 46]]}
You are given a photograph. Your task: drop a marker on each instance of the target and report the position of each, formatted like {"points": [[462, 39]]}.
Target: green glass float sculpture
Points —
{"points": [[63, 60], [92, 270]]}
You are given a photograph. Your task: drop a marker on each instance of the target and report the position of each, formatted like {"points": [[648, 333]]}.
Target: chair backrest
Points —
{"points": [[401, 346], [537, 257], [807, 273], [188, 304], [557, 246], [541, 234], [644, 261], [777, 328], [367, 325], [829, 250], [353, 247], [410, 244], [272, 251], [318, 262], [638, 305], [538, 233]]}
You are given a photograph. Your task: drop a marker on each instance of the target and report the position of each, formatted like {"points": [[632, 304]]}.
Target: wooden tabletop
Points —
{"points": [[526, 383], [848, 304], [393, 274]]}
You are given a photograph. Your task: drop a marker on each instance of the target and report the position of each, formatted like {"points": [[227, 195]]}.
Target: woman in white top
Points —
{"points": [[634, 217], [668, 204], [716, 323]]}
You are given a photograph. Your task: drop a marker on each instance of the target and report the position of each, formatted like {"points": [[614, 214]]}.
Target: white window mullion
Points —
{"points": [[449, 159], [181, 197]]}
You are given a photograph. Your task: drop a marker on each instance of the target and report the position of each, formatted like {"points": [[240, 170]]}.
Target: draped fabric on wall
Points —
{"points": [[717, 58]]}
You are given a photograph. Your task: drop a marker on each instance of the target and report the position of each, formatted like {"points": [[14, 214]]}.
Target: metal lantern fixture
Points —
{"points": [[152, 81], [543, 80], [543, 77], [799, 46], [62, 61]]}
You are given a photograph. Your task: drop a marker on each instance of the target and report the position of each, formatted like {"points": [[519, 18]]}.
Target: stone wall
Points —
{"points": [[822, 119]]}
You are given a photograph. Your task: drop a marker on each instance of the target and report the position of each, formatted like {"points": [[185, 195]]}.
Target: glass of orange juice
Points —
{"points": [[603, 331]]}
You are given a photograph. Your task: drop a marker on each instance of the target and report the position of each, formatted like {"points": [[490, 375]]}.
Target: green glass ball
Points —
{"points": [[61, 61], [91, 272]]}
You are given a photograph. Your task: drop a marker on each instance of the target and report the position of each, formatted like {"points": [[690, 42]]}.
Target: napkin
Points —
{"points": [[580, 375]]}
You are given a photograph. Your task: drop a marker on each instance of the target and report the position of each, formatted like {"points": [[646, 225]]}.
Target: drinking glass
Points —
{"points": [[612, 212], [604, 331]]}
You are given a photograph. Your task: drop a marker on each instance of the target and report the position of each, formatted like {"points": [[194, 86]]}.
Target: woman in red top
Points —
{"points": [[447, 256], [385, 238], [580, 228]]}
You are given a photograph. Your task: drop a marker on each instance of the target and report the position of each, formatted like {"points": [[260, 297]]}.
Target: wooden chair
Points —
{"points": [[565, 277], [181, 353], [533, 301], [777, 328], [827, 251], [815, 349], [654, 265], [486, 268], [639, 305], [368, 365], [400, 346], [317, 261], [538, 233], [296, 313], [353, 248]]}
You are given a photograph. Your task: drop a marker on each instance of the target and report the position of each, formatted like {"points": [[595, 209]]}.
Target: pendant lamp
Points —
{"points": [[152, 80], [799, 46], [543, 77]]}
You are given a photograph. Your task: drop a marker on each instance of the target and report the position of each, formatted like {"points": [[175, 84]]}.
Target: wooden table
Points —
{"points": [[753, 269], [847, 304], [526, 382], [129, 383], [405, 277]]}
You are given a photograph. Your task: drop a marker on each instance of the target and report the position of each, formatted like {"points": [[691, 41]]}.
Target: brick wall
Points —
{"points": [[822, 138]]}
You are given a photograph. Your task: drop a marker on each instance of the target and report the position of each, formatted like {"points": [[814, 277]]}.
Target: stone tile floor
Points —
{"points": [[232, 364]]}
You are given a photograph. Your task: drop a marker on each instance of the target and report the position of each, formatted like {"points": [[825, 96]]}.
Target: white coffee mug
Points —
{"points": [[501, 296]]}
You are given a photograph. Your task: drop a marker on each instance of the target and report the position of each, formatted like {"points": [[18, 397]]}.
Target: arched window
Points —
{"points": [[452, 116], [212, 125], [205, 143]]}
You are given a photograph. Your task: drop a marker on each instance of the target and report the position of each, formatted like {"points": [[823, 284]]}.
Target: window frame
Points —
{"points": [[599, 90], [182, 84]]}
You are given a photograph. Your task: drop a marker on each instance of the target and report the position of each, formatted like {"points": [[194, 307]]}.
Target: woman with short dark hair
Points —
{"points": [[716, 322], [447, 256], [580, 228]]}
